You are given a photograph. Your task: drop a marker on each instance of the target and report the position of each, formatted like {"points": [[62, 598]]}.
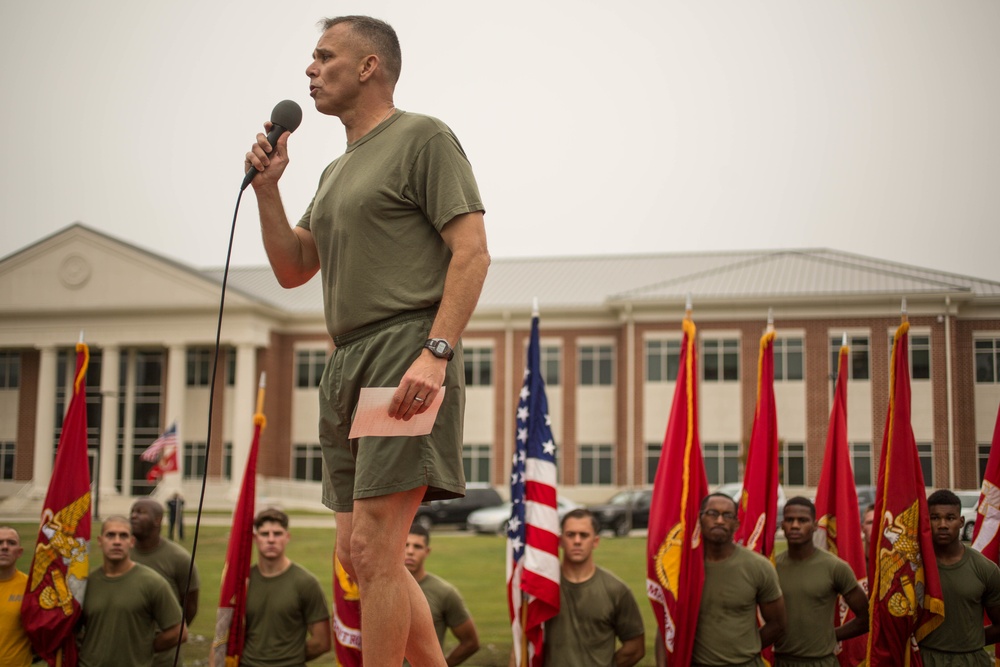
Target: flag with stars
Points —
{"points": [[533, 530]]}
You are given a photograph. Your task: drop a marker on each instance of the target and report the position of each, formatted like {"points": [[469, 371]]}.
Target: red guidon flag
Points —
{"points": [[230, 619], [758, 506], [346, 617], [839, 530], [906, 601], [57, 580], [985, 538], [675, 569]]}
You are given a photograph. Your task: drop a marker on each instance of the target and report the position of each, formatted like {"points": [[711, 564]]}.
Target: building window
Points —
{"points": [[478, 366], [721, 360], [227, 460], [861, 461], [857, 357], [653, 451], [7, 453], [663, 359], [199, 366], [925, 451], [988, 360], [551, 360], [920, 357], [476, 461], [195, 454], [983, 455], [722, 462], [792, 463], [595, 464], [788, 354], [309, 365], [230, 366], [307, 462], [10, 370], [596, 365]]}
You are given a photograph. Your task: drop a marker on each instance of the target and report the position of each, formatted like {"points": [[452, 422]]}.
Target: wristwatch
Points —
{"points": [[440, 348]]}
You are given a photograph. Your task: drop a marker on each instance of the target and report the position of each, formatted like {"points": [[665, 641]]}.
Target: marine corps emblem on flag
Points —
{"points": [[63, 544], [905, 552]]}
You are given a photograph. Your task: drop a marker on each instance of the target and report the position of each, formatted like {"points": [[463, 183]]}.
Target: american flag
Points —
{"points": [[533, 531], [169, 437]]}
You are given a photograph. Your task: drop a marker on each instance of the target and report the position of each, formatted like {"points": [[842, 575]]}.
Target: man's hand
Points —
{"points": [[420, 384], [269, 167]]}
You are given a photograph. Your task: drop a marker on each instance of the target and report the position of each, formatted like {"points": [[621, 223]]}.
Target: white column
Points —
{"points": [[110, 360], [174, 412], [128, 435], [45, 421], [244, 403]]}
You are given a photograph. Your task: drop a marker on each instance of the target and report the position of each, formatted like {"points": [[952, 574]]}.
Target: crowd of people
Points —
{"points": [[139, 601]]}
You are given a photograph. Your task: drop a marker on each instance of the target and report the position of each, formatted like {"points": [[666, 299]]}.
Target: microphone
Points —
{"points": [[285, 117]]}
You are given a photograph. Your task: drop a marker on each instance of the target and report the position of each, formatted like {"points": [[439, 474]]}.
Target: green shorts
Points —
{"points": [[977, 658], [378, 355]]}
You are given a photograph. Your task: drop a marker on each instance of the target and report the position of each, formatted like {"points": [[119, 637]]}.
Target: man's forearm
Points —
{"points": [[283, 246], [462, 287], [461, 653]]}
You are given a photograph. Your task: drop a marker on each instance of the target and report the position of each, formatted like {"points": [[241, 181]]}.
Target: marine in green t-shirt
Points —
{"points": [[126, 606], [287, 616], [737, 582], [596, 609], [812, 580], [970, 584], [448, 610], [167, 558]]}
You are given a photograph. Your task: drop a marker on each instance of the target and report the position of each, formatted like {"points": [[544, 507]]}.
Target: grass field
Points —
{"points": [[473, 563]]}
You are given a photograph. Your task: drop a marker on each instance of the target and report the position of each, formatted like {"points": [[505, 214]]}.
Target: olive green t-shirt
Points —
{"points": [[279, 612], [727, 621], [969, 586], [447, 607], [121, 616], [172, 562], [591, 614], [377, 217], [811, 587]]}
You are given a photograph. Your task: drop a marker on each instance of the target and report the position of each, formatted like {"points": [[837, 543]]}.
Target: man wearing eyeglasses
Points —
{"points": [[738, 581]]}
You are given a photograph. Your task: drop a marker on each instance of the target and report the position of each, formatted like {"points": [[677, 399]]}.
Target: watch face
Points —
{"points": [[441, 347]]}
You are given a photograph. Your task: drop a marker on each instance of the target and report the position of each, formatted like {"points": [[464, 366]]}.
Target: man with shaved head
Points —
{"points": [[15, 647], [129, 611], [167, 558]]}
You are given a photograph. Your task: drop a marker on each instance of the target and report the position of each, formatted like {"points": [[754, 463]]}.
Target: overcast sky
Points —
{"points": [[593, 127]]}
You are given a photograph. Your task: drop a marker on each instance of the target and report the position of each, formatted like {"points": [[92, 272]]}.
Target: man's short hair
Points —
{"points": [[944, 497], [870, 508], [117, 518], [154, 505], [804, 502], [378, 36], [581, 513], [704, 501], [417, 529], [13, 530], [270, 515]]}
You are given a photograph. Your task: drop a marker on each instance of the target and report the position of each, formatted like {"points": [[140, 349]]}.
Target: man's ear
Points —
{"points": [[368, 67]]}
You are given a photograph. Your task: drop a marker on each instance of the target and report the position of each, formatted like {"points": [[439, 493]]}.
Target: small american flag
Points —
{"points": [[533, 571], [169, 437]]}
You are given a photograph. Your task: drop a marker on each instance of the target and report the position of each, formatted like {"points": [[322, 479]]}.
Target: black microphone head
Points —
{"points": [[287, 114]]}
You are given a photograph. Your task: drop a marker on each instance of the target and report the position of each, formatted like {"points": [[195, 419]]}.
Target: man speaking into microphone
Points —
{"points": [[396, 228]]}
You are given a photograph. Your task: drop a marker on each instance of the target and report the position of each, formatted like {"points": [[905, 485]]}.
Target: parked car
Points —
{"points": [[492, 520], [624, 511], [457, 510], [735, 489], [970, 502]]}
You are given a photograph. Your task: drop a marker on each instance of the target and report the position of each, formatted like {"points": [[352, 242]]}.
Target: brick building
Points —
{"points": [[610, 337]]}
